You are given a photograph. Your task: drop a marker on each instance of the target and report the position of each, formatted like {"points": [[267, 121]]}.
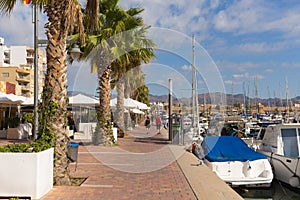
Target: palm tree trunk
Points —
{"points": [[120, 105], [103, 114], [55, 89], [104, 134], [127, 95]]}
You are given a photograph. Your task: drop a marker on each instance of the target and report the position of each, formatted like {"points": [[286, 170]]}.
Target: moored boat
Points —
{"points": [[235, 163], [281, 144]]}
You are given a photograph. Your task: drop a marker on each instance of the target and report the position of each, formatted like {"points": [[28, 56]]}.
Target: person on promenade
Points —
{"points": [[158, 123], [147, 124], [152, 119], [71, 122]]}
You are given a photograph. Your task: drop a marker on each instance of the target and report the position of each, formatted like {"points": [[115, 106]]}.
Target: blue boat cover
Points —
{"points": [[228, 148]]}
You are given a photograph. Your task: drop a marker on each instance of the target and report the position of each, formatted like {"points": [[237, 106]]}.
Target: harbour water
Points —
{"points": [[277, 191]]}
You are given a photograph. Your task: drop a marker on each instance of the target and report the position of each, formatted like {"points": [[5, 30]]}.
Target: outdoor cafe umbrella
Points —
{"points": [[83, 101], [11, 99], [128, 103], [137, 111]]}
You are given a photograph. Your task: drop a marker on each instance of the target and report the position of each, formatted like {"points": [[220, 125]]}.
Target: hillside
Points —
{"points": [[230, 100]]}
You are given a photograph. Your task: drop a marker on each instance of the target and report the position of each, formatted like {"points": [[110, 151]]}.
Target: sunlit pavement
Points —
{"points": [[143, 165]]}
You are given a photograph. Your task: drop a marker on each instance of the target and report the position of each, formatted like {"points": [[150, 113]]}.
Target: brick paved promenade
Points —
{"points": [[142, 166]]}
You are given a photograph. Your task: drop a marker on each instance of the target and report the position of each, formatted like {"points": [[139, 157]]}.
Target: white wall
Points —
{"points": [[18, 55]]}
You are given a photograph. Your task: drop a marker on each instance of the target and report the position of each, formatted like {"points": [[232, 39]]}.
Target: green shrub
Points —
{"points": [[35, 146]]}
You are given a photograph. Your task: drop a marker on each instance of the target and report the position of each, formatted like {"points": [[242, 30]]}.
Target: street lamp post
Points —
{"points": [[170, 110], [36, 118]]}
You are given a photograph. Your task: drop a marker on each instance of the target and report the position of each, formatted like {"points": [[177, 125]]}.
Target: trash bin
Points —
{"points": [[73, 151], [176, 132], [176, 128]]}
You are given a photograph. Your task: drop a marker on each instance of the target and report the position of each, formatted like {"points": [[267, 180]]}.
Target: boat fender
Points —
{"points": [[201, 130], [294, 181]]}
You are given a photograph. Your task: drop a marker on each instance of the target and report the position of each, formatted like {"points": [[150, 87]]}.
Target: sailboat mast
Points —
{"points": [[287, 98], [195, 112], [256, 95], [196, 102], [245, 106], [232, 97], [193, 82]]}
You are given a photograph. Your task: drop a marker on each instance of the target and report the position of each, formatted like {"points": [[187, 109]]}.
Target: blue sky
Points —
{"points": [[237, 42]]}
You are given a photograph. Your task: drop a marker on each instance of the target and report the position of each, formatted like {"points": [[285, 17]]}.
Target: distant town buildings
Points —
{"points": [[17, 69]]}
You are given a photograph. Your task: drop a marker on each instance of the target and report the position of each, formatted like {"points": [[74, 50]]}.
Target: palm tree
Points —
{"points": [[104, 47], [121, 65], [135, 78], [63, 17]]}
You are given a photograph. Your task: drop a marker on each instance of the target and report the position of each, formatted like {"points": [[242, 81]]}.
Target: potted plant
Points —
{"points": [[26, 169]]}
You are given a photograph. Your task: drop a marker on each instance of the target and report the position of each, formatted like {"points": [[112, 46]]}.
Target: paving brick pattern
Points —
{"points": [[112, 182]]}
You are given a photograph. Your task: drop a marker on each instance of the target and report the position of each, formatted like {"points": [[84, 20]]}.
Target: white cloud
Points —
{"points": [[228, 82], [245, 17], [248, 76], [186, 68], [214, 4], [241, 76], [242, 67], [225, 22], [17, 28], [290, 65], [269, 70], [287, 23], [262, 47], [240, 17]]}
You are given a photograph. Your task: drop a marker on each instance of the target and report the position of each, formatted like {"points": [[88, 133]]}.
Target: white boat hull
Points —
{"points": [[281, 144], [257, 173], [284, 168]]}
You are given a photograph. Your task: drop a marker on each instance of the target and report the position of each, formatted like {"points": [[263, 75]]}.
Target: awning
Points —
{"points": [[137, 111]]}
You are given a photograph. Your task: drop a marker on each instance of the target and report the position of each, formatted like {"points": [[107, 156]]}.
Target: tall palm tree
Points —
{"points": [[144, 53], [104, 46], [120, 65], [63, 17]]}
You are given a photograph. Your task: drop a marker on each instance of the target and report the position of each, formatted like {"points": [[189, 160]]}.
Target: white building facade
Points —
{"points": [[17, 68]]}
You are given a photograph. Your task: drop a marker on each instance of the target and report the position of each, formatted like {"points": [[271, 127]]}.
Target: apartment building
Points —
{"points": [[17, 69]]}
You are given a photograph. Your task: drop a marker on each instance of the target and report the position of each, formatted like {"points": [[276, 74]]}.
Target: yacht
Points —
{"points": [[281, 144]]}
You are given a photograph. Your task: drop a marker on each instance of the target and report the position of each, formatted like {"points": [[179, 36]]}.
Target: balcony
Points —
{"points": [[6, 53], [23, 79], [26, 66], [23, 71], [29, 59], [25, 88]]}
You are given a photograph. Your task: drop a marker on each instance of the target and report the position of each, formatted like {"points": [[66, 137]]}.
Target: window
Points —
{"points": [[5, 74], [290, 143]]}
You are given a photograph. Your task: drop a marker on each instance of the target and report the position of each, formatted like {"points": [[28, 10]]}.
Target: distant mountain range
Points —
{"points": [[230, 99], [216, 97]]}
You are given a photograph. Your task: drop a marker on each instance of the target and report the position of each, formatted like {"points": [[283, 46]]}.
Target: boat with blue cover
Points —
{"points": [[235, 163]]}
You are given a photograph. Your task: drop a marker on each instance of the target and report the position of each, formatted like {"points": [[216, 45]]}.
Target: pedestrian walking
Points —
{"points": [[147, 124], [158, 123], [152, 119]]}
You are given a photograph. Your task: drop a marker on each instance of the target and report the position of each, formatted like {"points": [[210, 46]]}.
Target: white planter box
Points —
{"points": [[26, 174], [115, 133]]}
